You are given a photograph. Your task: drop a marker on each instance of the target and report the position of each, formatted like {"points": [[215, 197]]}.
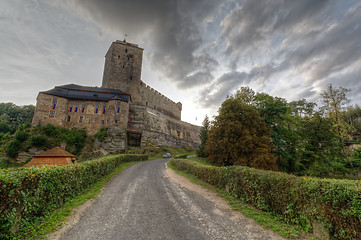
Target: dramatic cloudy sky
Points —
{"points": [[195, 51]]}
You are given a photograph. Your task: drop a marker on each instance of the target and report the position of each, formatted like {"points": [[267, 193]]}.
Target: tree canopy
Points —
{"points": [[239, 136]]}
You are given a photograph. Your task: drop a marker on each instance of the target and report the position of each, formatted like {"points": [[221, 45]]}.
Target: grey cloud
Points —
{"points": [[173, 30], [319, 40], [216, 92]]}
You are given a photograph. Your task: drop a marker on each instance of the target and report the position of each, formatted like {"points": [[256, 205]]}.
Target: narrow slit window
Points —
{"points": [[69, 118], [52, 113], [81, 119], [82, 107], [70, 107], [53, 105], [104, 107], [118, 107]]}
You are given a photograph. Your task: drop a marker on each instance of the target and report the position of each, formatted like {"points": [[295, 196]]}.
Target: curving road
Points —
{"points": [[142, 202]]}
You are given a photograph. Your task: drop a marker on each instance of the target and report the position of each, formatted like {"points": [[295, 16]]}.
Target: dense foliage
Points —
{"points": [[203, 136], [28, 194], [304, 139], [44, 137], [303, 201], [239, 136], [12, 116]]}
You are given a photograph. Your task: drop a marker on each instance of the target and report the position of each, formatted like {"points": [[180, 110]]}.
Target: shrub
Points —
{"points": [[21, 135], [38, 140], [12, 149], [30, 193], [50, 130], [102, 134], [299, 200]]}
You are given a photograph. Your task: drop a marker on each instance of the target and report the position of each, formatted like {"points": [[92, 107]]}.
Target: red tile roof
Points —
{"points": [[55, 156], [54, 152]]}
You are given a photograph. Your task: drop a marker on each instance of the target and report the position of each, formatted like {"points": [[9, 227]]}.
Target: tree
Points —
{"points": [[334, 100], [302, 108], [319, 146], [239, 136], [203, 135]]}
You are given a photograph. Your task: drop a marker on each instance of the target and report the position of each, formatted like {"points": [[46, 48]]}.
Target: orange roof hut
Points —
{"points": [[55, 156]]}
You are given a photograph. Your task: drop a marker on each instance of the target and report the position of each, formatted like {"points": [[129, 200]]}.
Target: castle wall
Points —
{"points": [[154, 99], [68, 113], [160, 129]]}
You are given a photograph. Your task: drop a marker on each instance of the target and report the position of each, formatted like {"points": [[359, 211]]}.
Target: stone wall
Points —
{"points": [[88, 118], [154, 99], [155, 125]]}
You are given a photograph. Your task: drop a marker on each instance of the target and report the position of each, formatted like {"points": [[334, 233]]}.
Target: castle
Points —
{"points": [[134, 113]]}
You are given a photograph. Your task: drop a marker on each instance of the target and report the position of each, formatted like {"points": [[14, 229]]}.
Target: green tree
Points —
{"points": [[319, 147], [239, 136], [203, 135], [302, 108], [334, 99]]}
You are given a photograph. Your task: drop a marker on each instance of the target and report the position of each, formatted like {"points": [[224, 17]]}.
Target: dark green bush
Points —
{"points": [[299, 200], [12, 149], [50, 130], [102, 134], [38, 140], [21, 135], [27, 194]]}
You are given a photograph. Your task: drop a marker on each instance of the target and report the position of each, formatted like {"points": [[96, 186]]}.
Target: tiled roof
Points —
{"points": [[55, 156], [74, 91], [54, 152], [56, 161]]}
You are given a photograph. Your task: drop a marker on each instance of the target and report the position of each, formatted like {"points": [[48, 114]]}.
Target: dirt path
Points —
{"points": [[150, 201]]}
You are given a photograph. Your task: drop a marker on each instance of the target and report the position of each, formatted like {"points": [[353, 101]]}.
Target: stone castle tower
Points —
{"points": [[122, 69]]}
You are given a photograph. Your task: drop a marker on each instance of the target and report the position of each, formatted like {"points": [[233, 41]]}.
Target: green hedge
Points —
{"points": [[304, 201], [29, 193], [181, 156]]}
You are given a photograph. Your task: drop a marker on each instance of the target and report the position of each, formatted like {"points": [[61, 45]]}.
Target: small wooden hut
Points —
{"points": [[55, 156]]}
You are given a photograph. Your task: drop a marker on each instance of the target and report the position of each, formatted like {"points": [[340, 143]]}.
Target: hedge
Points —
{"points": [[305, 201], [26, 194]]}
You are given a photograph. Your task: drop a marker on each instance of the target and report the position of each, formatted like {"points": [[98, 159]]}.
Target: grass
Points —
{"points": [[55, 220], [262, 218]]}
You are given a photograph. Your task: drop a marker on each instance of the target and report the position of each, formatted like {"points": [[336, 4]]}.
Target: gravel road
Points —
{"points": [[145, 202]]}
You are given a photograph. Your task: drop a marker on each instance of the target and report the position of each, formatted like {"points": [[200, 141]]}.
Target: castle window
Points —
{"points": [[131, 77], [118, 107], [128, 58], [102, 122], [55, 100], [81, 119], [123, 66], [82, 107], [104, 107], [118, 56], [52, 113], [68, 118], [146, 103], [155, 107], [126, 50], [178, 133], [116, 121], [70, 106], [96, 108]]}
